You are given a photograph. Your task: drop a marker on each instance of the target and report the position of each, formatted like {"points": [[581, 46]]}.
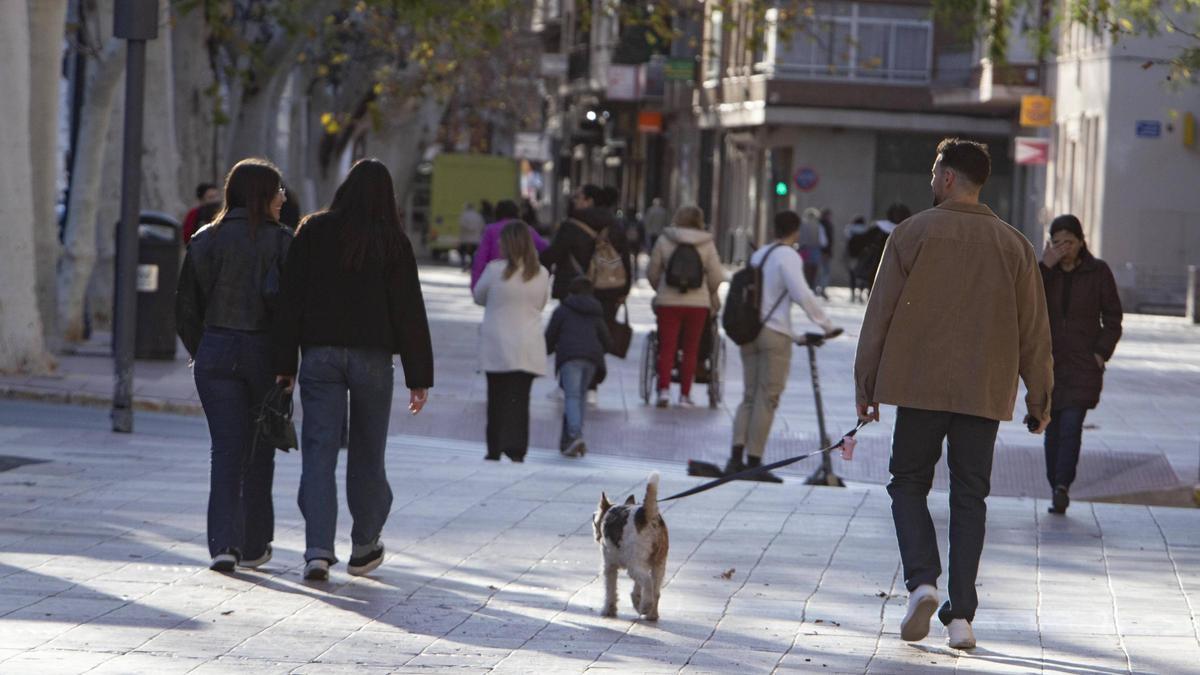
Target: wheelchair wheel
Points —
{"points": [[649, 367], [716, 378]]}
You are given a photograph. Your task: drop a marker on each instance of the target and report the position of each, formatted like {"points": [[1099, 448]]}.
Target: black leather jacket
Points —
{"points": [[230, 277]]}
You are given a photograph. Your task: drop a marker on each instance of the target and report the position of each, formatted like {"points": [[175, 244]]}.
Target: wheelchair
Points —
{"points": [[710, 364]]}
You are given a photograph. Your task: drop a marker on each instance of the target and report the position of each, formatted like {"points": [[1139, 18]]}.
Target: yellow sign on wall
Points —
{"points": [[1037, 111], [1189, 130]]}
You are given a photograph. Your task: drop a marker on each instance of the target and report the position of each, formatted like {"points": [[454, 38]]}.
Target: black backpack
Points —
{"points": [[685, 269], [742, 318]]}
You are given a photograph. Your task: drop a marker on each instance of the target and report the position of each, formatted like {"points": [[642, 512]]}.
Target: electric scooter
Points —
{"points": [[824, 474]]}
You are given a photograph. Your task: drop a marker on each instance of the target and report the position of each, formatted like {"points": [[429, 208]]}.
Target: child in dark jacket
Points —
{"points": [[578, 337]]}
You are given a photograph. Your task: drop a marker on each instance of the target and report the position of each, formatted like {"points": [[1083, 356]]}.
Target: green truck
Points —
{"points": [[462, 179]]}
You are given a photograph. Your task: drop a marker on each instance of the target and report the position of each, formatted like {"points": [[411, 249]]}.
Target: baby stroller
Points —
{"points": [[710, 363]]}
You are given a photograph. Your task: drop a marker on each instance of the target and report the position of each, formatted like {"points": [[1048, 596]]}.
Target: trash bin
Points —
{"points": [[157, 277]]}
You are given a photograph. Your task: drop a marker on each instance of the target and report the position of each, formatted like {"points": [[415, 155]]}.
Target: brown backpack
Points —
{"points": [[606, 270]]}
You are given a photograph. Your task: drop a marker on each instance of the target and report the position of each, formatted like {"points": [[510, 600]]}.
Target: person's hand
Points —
{"points": [[1099, 361], [417, 399], [1051, 254], [1038, 427], [868, 412], [288, 382]]}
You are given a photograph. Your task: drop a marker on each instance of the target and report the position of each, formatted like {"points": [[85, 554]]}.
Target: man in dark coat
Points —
{"points": [[1085, 324]]}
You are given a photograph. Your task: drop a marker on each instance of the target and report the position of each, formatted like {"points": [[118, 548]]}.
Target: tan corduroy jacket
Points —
{"points": [[957, 313]]}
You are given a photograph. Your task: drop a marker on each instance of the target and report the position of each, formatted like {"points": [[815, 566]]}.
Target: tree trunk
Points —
{"points": [[408, 129], [22, 342], [100, 291], [47, 25], [253, 132], [194, 101], [161, 186], [79, 252]]}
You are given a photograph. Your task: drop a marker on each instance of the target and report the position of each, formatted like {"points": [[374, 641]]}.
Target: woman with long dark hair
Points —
{"points": [[513, 291], [227, 287], [351, 299], [1085, 325]]}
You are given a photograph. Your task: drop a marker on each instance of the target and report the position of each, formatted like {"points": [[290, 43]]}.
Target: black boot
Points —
{"points": [[1060, 500], [761, 476], [735, 464]]}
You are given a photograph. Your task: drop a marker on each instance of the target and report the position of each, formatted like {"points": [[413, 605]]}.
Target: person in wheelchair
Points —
{"points": [[685, 272]]}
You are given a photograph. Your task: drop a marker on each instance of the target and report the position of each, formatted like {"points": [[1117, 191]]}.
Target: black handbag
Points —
{"points": [[273, 426], [621, 334]]}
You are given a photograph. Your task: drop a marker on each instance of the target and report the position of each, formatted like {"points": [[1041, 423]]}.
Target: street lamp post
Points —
{"points": [[134, 21]]}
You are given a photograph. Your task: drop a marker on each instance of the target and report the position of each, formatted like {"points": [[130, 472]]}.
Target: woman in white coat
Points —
{"points": [[513, 291]]}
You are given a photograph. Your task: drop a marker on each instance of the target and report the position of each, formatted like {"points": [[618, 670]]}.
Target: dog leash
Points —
{"points": [[764, 467]]}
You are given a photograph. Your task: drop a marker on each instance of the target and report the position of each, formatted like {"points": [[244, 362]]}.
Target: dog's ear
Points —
{"points": [[630, 500], [604, 503]]}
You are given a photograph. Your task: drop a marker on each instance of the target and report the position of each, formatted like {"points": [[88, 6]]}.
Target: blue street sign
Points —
{"points": [[1149, 128], [807, 179]]}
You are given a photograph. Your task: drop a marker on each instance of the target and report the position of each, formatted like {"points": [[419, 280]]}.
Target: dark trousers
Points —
{"points": [[916, 449], [1064, 435], [508, 414], [610, 302], [233, 375]]}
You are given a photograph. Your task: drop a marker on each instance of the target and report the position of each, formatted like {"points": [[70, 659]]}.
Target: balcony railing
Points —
{"points": [[853, 41]]}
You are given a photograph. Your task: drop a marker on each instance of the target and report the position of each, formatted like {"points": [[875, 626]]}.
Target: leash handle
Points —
{"points": [[704, 487]]}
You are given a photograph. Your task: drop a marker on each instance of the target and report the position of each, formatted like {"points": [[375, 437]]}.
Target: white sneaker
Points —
{"points": [[224, 561], [663, 399], [317, 569], [259, 561], [686, 402], [961, 636], [922, 603], [593, 397]]}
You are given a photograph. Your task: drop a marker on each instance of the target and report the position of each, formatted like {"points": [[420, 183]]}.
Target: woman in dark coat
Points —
{"points": [[223, 312], [351, 299], [1085, 324]]}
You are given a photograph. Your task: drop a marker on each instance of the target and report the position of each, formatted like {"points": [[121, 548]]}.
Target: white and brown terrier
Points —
{"points": [[635, 538]]}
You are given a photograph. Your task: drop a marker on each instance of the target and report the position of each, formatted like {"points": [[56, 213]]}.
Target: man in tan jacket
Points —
{"points": [[958, 312]]}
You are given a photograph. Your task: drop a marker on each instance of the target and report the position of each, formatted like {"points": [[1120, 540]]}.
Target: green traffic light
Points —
{"points": [[781, 188]]}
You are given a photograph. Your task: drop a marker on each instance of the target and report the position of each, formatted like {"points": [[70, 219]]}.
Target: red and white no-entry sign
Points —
{"points": [[1032, 150]]}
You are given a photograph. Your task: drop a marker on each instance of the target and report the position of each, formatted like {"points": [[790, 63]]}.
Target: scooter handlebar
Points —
{"points": [[818, 339]]}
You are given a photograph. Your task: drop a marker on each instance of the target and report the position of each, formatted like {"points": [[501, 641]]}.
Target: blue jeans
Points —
{"points": [[326, 375], [1064, 436], [574, 376], [233, 375]]}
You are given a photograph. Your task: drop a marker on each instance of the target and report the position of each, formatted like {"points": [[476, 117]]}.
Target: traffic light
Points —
{"points": [[781, 188]]}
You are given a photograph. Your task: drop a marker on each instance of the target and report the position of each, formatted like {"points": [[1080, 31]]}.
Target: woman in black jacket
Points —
{"points": [[351, 299], [227, 285], [1085, 325]]}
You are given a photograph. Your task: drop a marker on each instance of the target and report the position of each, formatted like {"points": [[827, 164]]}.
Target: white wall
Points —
{"points": [[1145, 207], [845, 162]]}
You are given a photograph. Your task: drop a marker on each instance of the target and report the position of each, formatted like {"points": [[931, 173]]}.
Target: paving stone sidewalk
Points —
{"points": [[492, 569], [1141, 438]]}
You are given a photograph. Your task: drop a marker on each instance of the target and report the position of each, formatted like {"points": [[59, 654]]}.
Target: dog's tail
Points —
{"points": [[650, 502]]}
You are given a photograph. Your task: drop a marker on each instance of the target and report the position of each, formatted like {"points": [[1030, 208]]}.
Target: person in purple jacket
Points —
{"points": [[489, 243]]}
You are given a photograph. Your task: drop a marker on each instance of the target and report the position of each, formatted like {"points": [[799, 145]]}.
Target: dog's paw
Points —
{"points": [[609, 612], [653, 616]]}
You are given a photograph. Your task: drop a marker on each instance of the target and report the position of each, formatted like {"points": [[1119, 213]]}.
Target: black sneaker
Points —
{"points": [[363, 564], [1060, 500]]}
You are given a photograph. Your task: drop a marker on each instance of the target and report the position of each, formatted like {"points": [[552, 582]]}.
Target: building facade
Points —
{"points": [[1125, 161]]}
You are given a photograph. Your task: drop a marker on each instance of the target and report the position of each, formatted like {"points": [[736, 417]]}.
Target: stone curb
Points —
{"points": [[98, 400]]}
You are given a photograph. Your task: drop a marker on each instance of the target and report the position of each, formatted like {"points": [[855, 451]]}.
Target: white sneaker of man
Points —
{"points": [[593, 397], [960, 635], [922, 603]]}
